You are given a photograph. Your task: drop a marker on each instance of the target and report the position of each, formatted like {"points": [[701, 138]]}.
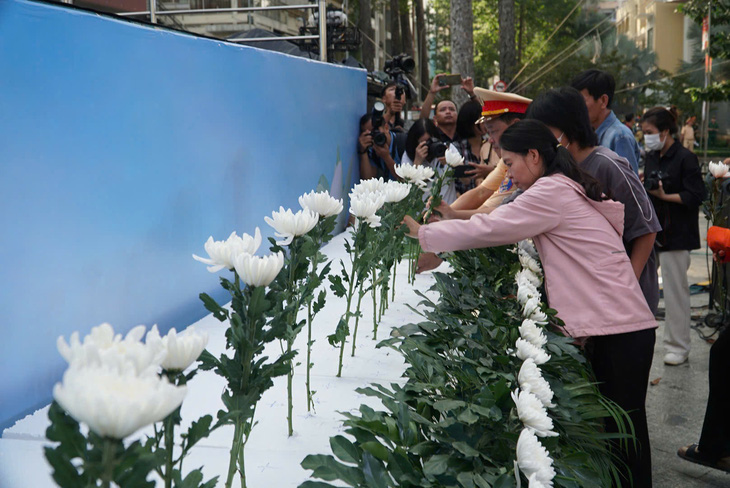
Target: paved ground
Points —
{"points": [[676, 404]]}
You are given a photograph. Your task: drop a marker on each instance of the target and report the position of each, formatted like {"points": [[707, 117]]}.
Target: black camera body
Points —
{"points": [[397, 68], [436, 149], [379, 139], [651, 182]]}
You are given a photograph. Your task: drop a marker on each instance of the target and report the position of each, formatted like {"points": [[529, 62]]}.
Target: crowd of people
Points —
{"points": [[564, 171]]}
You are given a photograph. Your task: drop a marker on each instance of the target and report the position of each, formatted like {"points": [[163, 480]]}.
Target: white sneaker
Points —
{"points": [[674, 358]]}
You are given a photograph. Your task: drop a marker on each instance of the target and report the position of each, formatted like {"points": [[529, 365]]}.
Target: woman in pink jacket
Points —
{"points": [[588, 276]]}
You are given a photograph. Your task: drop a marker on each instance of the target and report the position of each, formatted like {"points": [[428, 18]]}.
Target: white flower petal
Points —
{"points": [[259, 271], [453, 156], [531, 380], [289, 225], [533, 458], [321, 203], [526, 350], [533, 334], [116, 403]]}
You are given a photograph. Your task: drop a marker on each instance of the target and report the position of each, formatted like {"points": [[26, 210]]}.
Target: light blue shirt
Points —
{"points": [[618, 138]]}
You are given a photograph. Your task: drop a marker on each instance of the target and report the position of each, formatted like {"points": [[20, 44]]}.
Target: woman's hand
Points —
{"points": [[412, 225], [421, 153], [480, 170], [445, 212]]}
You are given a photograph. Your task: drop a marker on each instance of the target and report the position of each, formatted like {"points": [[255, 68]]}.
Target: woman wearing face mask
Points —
{"points": [[588, 276], [673, 180]]}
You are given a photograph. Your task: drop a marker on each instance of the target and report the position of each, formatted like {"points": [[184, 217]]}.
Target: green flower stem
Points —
{"points": [[392, 287], [360, 294], [375, 305], [310, 400], [169, 433], [107, 462], [289, 406], [235, 451], [350, 290]]}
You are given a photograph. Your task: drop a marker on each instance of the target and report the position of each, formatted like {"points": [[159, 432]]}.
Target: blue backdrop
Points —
{"points": [[122, 148]]}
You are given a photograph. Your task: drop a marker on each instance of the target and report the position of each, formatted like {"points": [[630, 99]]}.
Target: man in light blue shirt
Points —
{"points": [[597, 88]]}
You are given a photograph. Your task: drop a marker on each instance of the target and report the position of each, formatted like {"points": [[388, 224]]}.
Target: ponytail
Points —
{"points": [[522, 136]]}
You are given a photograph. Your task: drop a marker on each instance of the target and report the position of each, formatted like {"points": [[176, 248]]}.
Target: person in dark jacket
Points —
{"points": [[673, 180]]}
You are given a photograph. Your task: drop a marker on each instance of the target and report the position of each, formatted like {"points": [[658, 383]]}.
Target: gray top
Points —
{"points": [[620, 183]]}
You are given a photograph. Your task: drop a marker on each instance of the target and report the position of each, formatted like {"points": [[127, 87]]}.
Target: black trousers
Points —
{"points": [[715, 438], [621, 364]]}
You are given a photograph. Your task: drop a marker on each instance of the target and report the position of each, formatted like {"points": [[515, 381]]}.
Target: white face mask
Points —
{"points": [[653, 142]]}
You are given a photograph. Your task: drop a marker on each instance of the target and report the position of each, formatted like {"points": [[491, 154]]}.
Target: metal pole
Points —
{"points": [[322, 31], [153, 11]]}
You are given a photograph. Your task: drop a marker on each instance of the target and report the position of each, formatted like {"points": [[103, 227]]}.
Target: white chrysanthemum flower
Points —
{"points": [[529, 247], [534, 482], [533, 414], [418, 175], [532, 310], [528, 262], [289, 225], [181, 350], [364, 207], [718, 170], [533, 458], [222, 252], [321, 203], [116, 403], [533, 334], [371, 185], [453, 156], [526, 291], [259, 271], [396, 191], [527, 350], [103, 347], [531, 380], [526, 274]]}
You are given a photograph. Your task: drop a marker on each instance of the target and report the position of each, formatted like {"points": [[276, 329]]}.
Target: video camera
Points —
{"points": [[397, 68]]}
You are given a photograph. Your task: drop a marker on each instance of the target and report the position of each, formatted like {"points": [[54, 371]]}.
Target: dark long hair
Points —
{"points": [[469, 113], [662, 119], [528, 134], [420, 127], [565, 109]]}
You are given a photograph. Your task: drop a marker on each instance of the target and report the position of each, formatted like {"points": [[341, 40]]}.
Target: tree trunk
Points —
{"points": [[521, 34], [405, 28], [422, 61], [507, 55], [462, 45], [396, 45], [364, 24]]}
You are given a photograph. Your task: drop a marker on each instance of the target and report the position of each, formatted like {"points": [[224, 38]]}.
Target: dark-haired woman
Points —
{"points": [[471, 146], [416, 153], [674, 182], [564, 111], [588, 276]]}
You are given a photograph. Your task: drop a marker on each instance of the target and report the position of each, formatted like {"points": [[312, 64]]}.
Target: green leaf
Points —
{"points": [[316, 484], [198, 430], [375, 474], [376, 449], [436, 465], [447, 405], [344, 449], [465, 449], [212, 306]]}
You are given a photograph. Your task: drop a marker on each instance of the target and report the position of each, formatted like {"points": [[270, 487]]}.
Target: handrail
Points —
{"points": [[320, 5]]}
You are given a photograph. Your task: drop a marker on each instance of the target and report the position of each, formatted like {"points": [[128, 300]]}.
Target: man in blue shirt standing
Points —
{"points": [[597, 88]]}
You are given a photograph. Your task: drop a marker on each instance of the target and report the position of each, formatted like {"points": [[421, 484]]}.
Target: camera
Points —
{"points": [[400, 64], [436, 149], [397, 68], [378, 120], [651, 182]]}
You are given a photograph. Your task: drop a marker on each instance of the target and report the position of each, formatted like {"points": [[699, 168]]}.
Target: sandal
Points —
{"points": [[692, 454]]}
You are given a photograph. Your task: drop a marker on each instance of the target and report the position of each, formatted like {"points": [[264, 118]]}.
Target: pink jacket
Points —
{"points": [[588, 276]]}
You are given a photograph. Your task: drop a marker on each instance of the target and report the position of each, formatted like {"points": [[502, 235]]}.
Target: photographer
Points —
{"points": [[673, 180], [394, 98], [424, 147], [378, 149], [445, 114]]}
